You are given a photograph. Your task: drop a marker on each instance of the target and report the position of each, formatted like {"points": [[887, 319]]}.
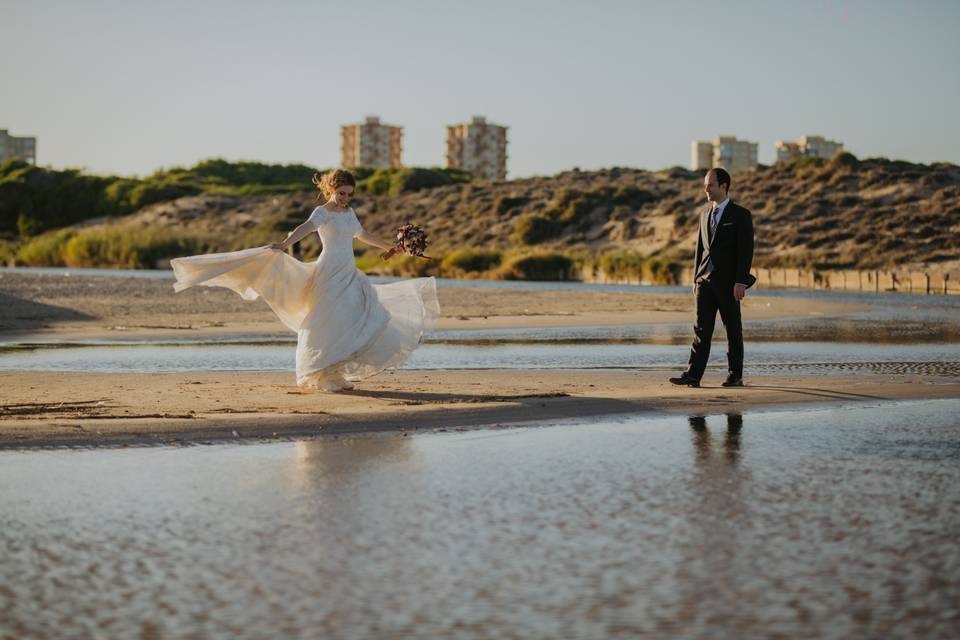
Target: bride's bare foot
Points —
{"points": [[329, 386], [344, 384]]}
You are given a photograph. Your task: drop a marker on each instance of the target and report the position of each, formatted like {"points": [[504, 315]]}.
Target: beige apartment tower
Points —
{"points": [[724, 151], [370, 144], [808, 147], [23, 148], [479, 147]]}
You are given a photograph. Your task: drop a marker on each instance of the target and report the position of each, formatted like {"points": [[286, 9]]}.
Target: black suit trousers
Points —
{"points": [[711, 298]]}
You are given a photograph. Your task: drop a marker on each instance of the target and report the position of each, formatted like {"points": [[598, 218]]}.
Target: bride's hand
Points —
{"points": [[276, 245]]}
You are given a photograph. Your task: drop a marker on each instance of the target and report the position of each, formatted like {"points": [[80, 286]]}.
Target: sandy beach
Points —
{"points": [[47, 307], [49, 408]]}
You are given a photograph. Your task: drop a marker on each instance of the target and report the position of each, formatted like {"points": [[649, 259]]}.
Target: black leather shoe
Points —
{"points": [[685, 381], [732, 381]]}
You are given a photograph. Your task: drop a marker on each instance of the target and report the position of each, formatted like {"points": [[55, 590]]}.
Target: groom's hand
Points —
{"points": [[739, 291]]}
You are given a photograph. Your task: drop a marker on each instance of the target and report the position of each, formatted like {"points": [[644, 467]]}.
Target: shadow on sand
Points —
{"points": [[815, 392], [21, 315], [419, 397]]}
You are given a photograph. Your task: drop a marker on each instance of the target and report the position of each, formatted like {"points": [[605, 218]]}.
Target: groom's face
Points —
{"points": [[715, 193]]}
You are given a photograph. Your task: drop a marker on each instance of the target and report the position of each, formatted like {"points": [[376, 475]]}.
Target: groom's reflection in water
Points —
{"points": [[703, 443], [715, 549]]}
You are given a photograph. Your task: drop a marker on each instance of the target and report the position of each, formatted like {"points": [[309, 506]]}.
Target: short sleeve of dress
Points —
{"points": [[357, 228], [316, 217]]}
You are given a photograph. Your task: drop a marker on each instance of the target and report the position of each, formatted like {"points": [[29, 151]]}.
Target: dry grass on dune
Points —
{"points": [[845, 213]]}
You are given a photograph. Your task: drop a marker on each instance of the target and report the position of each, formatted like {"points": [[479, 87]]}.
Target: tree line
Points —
{"points": [[36, 199]]}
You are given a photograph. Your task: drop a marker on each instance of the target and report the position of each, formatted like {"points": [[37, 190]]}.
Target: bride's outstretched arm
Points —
{"points": [[295, 236], [374, 241]]}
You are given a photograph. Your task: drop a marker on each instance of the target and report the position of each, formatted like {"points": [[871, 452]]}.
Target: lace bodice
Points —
{"points": [[337, 231]]}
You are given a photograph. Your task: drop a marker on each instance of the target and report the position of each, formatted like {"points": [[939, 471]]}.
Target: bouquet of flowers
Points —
{"points": [[411, 240]]}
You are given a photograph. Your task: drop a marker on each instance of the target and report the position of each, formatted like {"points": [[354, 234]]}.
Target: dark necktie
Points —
{"points": [[714, 219]]}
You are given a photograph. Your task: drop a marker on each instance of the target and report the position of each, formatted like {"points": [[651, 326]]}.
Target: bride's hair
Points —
{"points": [[331, 181]]}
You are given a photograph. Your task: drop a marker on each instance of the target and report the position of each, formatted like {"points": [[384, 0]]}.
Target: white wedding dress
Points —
{"points": [[347, 328]]}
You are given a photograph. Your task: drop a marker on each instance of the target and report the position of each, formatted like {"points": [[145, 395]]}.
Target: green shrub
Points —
{"points": [[634, 266], [246, 173], [161, 191], [471, 260], [45, 250], [571, 208], [255, 189], [415, 179], [34, 199], [117, 194], [622, 264], [377, 183], [662, 271], [505, 203], [534, 228], [28, 226], [548, 266], [575, 212], [632, 196], [845, 159], [11, 166], [800, 164], [8, 253], [125, 246]]}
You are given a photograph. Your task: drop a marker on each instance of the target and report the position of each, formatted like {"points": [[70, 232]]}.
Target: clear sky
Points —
{"points": [[131, 86]]}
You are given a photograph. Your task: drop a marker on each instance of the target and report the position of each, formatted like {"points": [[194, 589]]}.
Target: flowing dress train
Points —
{"points": [[346, 327]]}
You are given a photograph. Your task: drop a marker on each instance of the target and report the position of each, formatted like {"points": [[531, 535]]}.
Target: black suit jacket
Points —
{"points": [[730, 249]]}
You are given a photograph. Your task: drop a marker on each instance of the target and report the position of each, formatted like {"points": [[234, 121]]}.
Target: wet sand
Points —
{"points": [[58, 408]]}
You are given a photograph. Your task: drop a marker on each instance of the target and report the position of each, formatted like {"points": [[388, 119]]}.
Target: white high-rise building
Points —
{"points": [[701, 155], [808, 147], [479, 147], [724, 151], [370, 144]]}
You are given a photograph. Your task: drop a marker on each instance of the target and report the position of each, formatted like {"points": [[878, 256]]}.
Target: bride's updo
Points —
{"points": [[329, 182]]}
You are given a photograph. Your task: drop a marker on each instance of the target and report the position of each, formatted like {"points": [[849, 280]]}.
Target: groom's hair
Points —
{"points": [[723, 178]]}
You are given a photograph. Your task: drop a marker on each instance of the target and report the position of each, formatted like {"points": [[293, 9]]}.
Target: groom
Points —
{"points": [[721, 278]]}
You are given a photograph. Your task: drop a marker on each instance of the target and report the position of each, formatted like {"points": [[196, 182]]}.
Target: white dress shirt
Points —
{"points": [[717, 213]]}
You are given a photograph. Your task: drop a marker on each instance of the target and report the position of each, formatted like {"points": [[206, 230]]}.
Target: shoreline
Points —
{"points": [[52, 409], [93, 410]]}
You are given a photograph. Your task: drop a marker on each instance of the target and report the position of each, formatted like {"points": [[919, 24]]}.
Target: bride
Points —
{"points": [[347, 328]]}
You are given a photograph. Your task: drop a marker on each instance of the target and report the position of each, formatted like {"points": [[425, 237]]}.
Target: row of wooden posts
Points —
{"points": [[874, 281]]}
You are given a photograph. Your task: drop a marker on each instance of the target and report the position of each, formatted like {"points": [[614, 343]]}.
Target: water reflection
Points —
{"points": [[718, 516], [341, 485], [318, 465], [829, 522], [703, 442]]}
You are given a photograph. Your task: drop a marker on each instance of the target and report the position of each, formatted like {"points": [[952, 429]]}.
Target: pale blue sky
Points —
{"points": [[131, 86]]}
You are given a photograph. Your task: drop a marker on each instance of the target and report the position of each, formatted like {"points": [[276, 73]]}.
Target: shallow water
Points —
{"points": [[829, 523], [762, 358]]}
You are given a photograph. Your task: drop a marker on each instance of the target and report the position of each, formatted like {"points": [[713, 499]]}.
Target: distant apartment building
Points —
{"points": [[479, 147], [24, 148], [370, 144], [724, 151], [808, 147], [702, 155]]}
